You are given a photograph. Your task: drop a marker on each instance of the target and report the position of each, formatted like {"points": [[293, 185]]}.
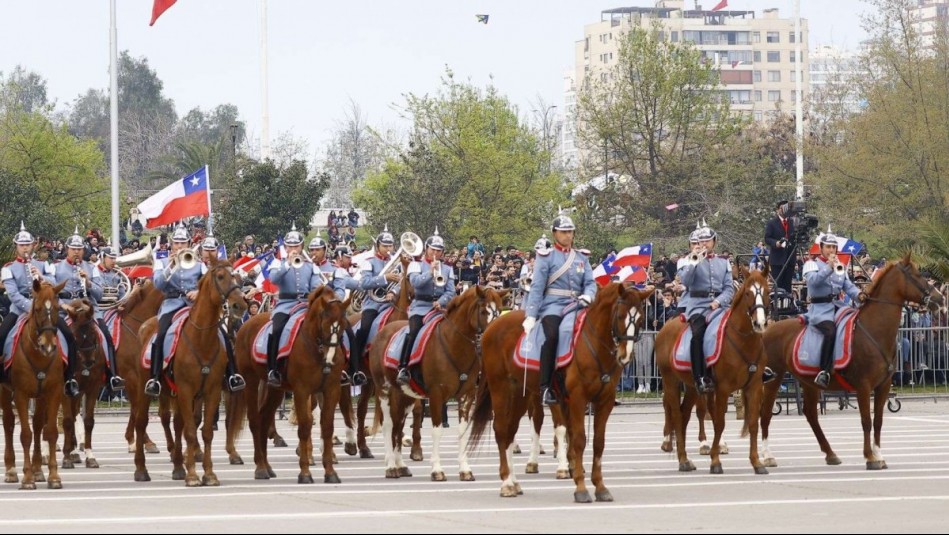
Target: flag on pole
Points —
{"points": [[721, 5], [180, 199], [845, 248], [639, 255], [603, 273], [159, 7], [263, 280]]}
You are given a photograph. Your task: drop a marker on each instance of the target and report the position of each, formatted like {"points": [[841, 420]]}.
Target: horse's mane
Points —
{"points": [[753, 275], [875, 285]]}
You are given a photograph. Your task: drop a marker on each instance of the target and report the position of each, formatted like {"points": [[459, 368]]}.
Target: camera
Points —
{"points": [[805, 224]]}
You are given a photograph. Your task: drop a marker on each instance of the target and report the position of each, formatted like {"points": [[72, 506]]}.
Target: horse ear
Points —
{"points": [[744, 271], [647, 293], [503, 293], [766, 271], [56, 289], [69, 309], [36, 285], [907, 259], [479, 291]]}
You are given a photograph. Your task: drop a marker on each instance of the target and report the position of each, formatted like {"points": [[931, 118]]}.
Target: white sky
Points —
{"points": [[324, 54]]}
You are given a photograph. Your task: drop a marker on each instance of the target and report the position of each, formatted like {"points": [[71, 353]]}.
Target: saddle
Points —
{"points": [[808, 342], [527, 350], [171, 340], [393, 350], [711, 345], [113, 320], [14, 338], [377, 325]]}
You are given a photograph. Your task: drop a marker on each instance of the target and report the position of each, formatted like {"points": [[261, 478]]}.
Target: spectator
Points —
{"points": [[353, 217], [475, 246], [331, 219]]}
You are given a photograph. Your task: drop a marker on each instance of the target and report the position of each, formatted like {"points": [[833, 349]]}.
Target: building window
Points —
{"points": [[757, 56], [674, 37], [757, 96], [755, 37], [793, 56], [758, 116], [791, 38], [793, 96], [774, 96], [774, 56], [793, 75], [757, 76], [774, 76], [774, 37]]}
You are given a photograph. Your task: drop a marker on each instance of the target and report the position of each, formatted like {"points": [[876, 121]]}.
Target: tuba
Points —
{"points": [[410, 244], [110, 294], [142, 257]]}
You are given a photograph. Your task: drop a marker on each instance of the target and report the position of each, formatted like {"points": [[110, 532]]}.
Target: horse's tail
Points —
{"points": [[236, 411], [376, 420], [744, 424], [482, 414]]}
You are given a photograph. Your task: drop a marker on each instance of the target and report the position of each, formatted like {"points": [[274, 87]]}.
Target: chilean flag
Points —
{"points": [[845, 248], [183, 198], [603, 273], [638, 256]]}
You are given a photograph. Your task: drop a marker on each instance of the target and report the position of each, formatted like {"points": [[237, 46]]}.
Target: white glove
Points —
{"points": [[584, 301], [528, 324]]}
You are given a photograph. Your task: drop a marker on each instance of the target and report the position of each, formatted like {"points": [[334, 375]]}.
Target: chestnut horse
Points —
{"points": [[92, 363], [314, 365], [605, 346], [35, 373], [872, 363], [196, 372], [450, 367], [739, 367]]}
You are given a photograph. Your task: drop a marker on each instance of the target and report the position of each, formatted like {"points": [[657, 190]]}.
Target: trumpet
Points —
{"points": [[298, 260], [697, 256], [839, 268], [184, 259], [439, 276]]}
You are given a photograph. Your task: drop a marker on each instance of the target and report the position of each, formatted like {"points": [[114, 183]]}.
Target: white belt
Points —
{"points": [[561, 293]]}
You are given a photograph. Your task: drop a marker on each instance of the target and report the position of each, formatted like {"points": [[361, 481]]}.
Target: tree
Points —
{"points": [[353, 152], [23, 90], [212, 127], [21, 195], [266, 198], [471, 167]]}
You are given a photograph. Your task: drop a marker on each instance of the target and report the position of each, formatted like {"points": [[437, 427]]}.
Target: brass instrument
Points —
{"points": [[410, 244], [439, 276], [297, 260], [184, 259], [142, 257], [110, 294], [697, 256], [839, 268]]}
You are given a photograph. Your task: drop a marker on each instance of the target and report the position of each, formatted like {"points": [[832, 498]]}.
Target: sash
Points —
{"points": [[564, 268]]}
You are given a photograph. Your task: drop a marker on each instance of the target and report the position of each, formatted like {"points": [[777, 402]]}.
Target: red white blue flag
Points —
{"points": [[638, 255], [182, 198]]}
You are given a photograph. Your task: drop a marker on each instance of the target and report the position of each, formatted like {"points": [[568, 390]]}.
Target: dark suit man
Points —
{"points": [[783, 257]]}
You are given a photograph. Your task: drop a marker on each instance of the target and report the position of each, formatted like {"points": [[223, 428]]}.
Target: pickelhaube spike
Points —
{"points": [[828, 229], [22, 226], [76, 231], [698, 224], [293, 227], [436, 231], [704, 224], [385, 228]]}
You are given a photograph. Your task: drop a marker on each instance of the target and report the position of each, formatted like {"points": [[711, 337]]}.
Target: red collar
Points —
{"points": [[380, 257], [323, 263], [77, 263], [561, 249], [21, 260], [823, 258]]}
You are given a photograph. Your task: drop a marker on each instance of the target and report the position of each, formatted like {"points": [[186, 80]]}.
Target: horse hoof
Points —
{"points": [[874, 465], [39, 477], [466, 476], [517, 487], [508, 491], [833, 460], [193, 482], [517, 450], [417, 456], [542, 452], [603, 496], [392, 473], [68, 464], [236, 459], [532, 468], [761, 470], [366, 454], [666, 446], [563, 474], [178, 474], [28, 486], [92, 463], [270, 472], [336, 440], [11, 478], [770, 462], [210, 481], [350, 448], [405, 472], [260, 473], [305, 479], [142, 477], [279, 442], [439, 476], [151, 448], [54, 484], [74, 457], [705, 450], [331, 478], [723, 449], [132, 448], [582, 497], [885, 467], [716, 469], [686, 466]]}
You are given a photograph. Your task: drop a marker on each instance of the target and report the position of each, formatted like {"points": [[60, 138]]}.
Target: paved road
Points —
{"points": [[801, 495]]}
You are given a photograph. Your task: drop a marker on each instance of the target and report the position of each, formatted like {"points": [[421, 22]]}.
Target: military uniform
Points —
{"points": [[372, 279], [114, 281], [561, 277], [824, 286]]}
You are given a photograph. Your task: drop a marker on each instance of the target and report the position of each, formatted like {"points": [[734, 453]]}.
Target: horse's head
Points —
{"points": [[477, 306], [326, 322], [912, 287], [44, 314], [625, 306], [80, 310], [224, 286], [754, 298], [82, 314]]}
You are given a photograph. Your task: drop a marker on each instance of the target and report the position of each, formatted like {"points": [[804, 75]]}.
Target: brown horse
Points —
{"points": [[871, 366], [92, 363], [739, 366], [450, 367], [197, 371], [35, 374], [314, 366], [606, 345]]}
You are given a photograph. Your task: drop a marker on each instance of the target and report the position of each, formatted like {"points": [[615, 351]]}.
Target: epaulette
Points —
{"points": [[584, 252], [8, 264]]}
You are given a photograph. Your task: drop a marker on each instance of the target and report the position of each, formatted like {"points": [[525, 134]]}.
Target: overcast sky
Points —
{"points": [[324, 54]]}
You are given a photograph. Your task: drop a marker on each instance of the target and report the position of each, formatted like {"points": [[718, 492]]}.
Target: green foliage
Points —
{"points": [[265, 199], [471, 167]]}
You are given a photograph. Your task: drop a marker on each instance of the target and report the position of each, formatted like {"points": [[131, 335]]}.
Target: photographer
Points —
{"points": [[779, 236]]}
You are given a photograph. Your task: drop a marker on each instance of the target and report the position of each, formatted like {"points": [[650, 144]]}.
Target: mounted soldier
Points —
{"points": [[343, 284], [374, 278], [113, 290], [562, 277], [210, 248]]}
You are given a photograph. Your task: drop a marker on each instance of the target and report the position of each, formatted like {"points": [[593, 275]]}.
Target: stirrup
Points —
{"points": [[274, 379], [153, 388], [705, 385], [548, 397], [403, 377], [236, 383], [823, 379], [116, 383], [767, 375], [344, 379], [359, 379], [71, 387]]}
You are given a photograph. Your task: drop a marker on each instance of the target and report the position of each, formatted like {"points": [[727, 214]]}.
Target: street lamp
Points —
{"points": [[234, 130]]}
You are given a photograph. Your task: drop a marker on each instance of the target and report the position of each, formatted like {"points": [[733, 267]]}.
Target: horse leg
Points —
{"points": [[349, 420], [140, 414], [164, 412], [505, 428], [362, 407], [668, 432], [272, 400], [258, 435], [177, 451], [465, 408], [212, 403], [51, 434], [600, 417], [70, 409], [88, 424], [417, 419], [869, 451], [330, 399], [405, 406], [701, 410], [9, 421], [811, 397], [753, 393], [435, 406], [764, 412], [388, 434], [562, 441], [39, 425], [880, 399], [719, 404], [185, 415], [26, 440], [537, 420]]}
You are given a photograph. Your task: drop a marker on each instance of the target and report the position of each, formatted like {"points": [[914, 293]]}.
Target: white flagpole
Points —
{"points": [[264, 86], [799, 101], [114, 123], [207, 175]]}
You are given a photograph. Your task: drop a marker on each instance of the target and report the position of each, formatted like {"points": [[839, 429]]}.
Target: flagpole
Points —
{"points": [[207, 176], [264, 86], [798, 114], [114, 124]]}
